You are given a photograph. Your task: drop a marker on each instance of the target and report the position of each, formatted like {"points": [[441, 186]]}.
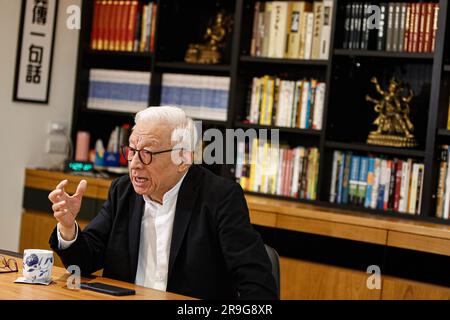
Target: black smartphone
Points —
{"points": [[108, 289]]}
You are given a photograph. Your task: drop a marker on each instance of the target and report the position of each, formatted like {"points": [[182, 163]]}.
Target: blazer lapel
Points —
{"points": [[134, 231], [185, 205]]}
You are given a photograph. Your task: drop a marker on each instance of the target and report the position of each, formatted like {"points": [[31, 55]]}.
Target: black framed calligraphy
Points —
{"points": [[35, 51]]}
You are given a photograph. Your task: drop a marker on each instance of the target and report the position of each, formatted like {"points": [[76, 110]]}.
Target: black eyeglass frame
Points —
{"points": [[5, 264], [125, 155]]}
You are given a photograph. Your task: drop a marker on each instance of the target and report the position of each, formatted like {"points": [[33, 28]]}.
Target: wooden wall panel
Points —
{"points": [[332, 229], [309, 280], [419, 242], [395, 289]]}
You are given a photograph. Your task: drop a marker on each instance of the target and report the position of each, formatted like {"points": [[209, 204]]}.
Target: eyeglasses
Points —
{"points": [[145, 156], [9, 264]]}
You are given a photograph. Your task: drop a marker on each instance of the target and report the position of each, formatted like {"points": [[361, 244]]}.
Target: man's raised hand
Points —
{"points": [[66, 208]]}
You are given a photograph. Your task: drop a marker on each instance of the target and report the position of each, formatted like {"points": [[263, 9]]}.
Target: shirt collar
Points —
{"points": [[173, 192]]}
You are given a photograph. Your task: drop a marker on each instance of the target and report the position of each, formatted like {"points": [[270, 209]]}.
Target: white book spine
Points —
{"points": [[413, 189], [305, 96], [334, 176], [309, 34], [319, 101], [326, 29], [404, 189], [376, 182], [294, 182], [445, 213]]}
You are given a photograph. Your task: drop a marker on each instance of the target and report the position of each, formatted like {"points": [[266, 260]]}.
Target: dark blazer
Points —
{"points": [[215, 253]]}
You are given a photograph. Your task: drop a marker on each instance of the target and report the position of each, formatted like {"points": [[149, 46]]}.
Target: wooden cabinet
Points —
{"points": [[300, 279]]}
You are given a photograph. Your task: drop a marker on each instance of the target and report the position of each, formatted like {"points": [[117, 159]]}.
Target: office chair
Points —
{"points": [[275, 261]]}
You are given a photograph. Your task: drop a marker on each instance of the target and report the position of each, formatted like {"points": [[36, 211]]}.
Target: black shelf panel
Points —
{"points": [[384, 54], [107, 112], [375, 149], [211, 122], [273, 196], [132, 114], [282, 129], [250, 59], [447, 67], [120, 54], [196, 67], [444, 133]]}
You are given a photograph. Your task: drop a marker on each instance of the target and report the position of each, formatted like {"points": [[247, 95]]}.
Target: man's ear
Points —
{"points": [[187, 158]]}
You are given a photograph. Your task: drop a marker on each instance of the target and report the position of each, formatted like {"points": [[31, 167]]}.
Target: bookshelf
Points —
{"points": [[346, 118]]}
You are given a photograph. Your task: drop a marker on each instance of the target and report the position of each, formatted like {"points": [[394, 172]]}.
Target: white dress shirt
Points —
{"points": [[156, 236]]}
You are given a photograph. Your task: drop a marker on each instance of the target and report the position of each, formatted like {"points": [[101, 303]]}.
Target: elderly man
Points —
{"points": [[169, 225]]}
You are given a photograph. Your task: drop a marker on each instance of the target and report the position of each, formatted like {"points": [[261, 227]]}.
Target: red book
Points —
{"points": [[416, 28], [423, 19], [94, 29], [398, 183], [153, 27], [426, 31], [107, 24], [114, 26], [131, 25], [124, 15], [407, 29], [101, 24]]}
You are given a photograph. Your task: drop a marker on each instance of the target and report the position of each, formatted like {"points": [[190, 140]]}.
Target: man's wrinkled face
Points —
{"points": [[151, 179]]}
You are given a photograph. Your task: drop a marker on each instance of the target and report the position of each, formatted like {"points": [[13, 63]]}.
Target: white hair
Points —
{"points": [[183, 131]]}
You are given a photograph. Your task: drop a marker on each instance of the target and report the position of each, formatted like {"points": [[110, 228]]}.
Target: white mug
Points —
{"points": [[37, 265]]}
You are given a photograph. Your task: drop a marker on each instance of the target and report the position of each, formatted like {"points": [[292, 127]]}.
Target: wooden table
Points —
{"points": [[58, 289]]}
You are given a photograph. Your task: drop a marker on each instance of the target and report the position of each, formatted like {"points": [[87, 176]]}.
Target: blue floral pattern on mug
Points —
{"points": [[37, 265]]}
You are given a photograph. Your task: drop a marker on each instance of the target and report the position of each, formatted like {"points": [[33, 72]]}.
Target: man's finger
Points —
{"points": [[81, 189], [59, 214], [59, 206], [55, 195], [62, 184]]}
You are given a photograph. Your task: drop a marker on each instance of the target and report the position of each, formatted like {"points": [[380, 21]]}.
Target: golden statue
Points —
{"points": [[394, 126], [212, 50]]}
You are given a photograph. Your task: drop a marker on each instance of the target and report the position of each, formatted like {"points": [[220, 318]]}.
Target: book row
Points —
{"points": [[443, 191], [277, 169], [202, 97], [118, 90], [292, 29], [377, 183], [401, 27], [120, 25], [285, 103]]}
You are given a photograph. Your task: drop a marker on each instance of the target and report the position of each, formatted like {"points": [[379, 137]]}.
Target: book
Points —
{"points": [[326, 29]]}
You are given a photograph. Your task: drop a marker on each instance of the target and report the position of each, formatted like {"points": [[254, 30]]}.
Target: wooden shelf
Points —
{"points": [[336, 216], [375, 148], [192, 67], [250, 59], [383, 54], [444, 133], [309, 132]]}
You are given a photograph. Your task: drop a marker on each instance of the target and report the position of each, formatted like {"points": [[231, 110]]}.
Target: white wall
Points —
{"points": [[23, 126]]}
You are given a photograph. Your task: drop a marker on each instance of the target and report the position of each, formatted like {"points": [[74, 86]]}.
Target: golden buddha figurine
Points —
{"points": [[211, 51], [394, 128]]}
